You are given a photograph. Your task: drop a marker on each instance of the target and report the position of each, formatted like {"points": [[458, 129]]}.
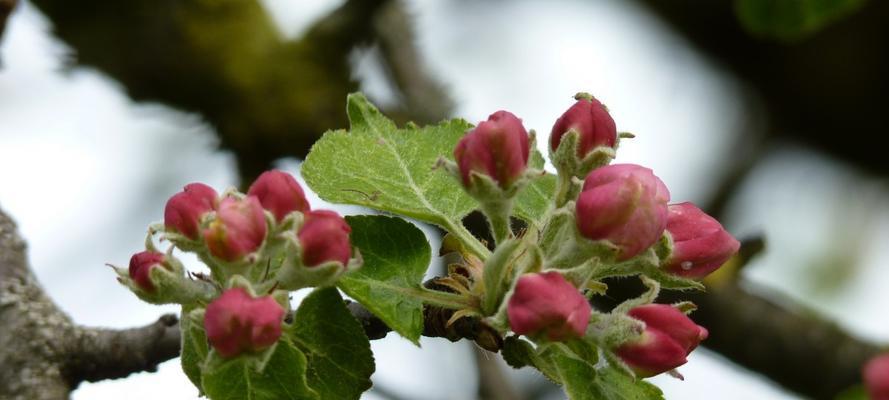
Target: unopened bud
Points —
{"points": [[140, 266], [184, 210], [546, 304], [279, 193], [625, 204], [876, 377], [237, 323], [497, 148], [238, 229], [594, 125], [700, 244], [323, 237], [668, 338]]}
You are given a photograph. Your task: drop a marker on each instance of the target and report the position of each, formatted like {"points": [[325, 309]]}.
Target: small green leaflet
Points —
{"points": [[283, 377], [338, 352], [396, 255], [194, 345]]}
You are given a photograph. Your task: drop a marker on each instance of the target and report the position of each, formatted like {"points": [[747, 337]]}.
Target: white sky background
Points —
{"points": [[83, 169]]}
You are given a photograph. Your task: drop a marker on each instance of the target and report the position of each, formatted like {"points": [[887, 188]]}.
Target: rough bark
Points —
{"points": [[44, 354]]}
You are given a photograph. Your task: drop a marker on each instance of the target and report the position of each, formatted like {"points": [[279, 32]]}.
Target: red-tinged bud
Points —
{"points": [[238, 229], [625, 204], [876, 377], [591, 121], [237, 323], [184, 210], [700, 244], [323, 237], [279, 193], [497, 148], [141, 264], [668, 338], [547, 304]]}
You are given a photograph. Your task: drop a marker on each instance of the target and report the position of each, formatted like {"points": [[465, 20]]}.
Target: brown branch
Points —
{"points": [[100, 354], [44, 354], [6, 7]]}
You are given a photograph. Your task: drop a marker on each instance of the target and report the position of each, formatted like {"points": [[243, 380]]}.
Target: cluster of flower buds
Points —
{"points": [[268, 240], [605, 220]]}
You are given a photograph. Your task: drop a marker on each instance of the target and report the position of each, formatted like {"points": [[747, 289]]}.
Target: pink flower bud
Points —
{"points": [[238, 229], [591, 121], [279, 193], [546, 303], [497, 148], [625, 204], [668, 338], [237, 323], [184, 210], [876, 377], [700, 244], [324, 237], [141, 264]]}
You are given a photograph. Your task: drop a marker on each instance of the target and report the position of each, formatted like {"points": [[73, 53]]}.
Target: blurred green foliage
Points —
{"points": [[791, 20]]}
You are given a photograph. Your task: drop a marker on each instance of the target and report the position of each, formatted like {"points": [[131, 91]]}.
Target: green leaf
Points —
{"points": [[520, 353], [581, 380], [611, 384], [789, 20], [396, 255], [340, 360], [247, 377], [194, 345], [535, 199], [378, 165]]}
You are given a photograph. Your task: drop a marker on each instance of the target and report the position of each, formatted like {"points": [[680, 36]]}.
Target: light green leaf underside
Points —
{"points": [[534, 200], [338, 352], [194, 348], [396, 255], [378, 165]]}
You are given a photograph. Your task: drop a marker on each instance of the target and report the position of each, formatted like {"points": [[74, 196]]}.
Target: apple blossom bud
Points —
{"points": [[236, 322], [668, 338], [279, 193], [625, 204], [547, 304], [591, 121], [323, 237], [497, 148], [238, 229], [700, 244], [140, 266], [876, 377], [184, 210]]}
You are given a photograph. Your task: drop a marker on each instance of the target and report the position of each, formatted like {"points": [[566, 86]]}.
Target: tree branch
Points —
{"points": [[6, 7], [108, 354], [44, 354]]}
